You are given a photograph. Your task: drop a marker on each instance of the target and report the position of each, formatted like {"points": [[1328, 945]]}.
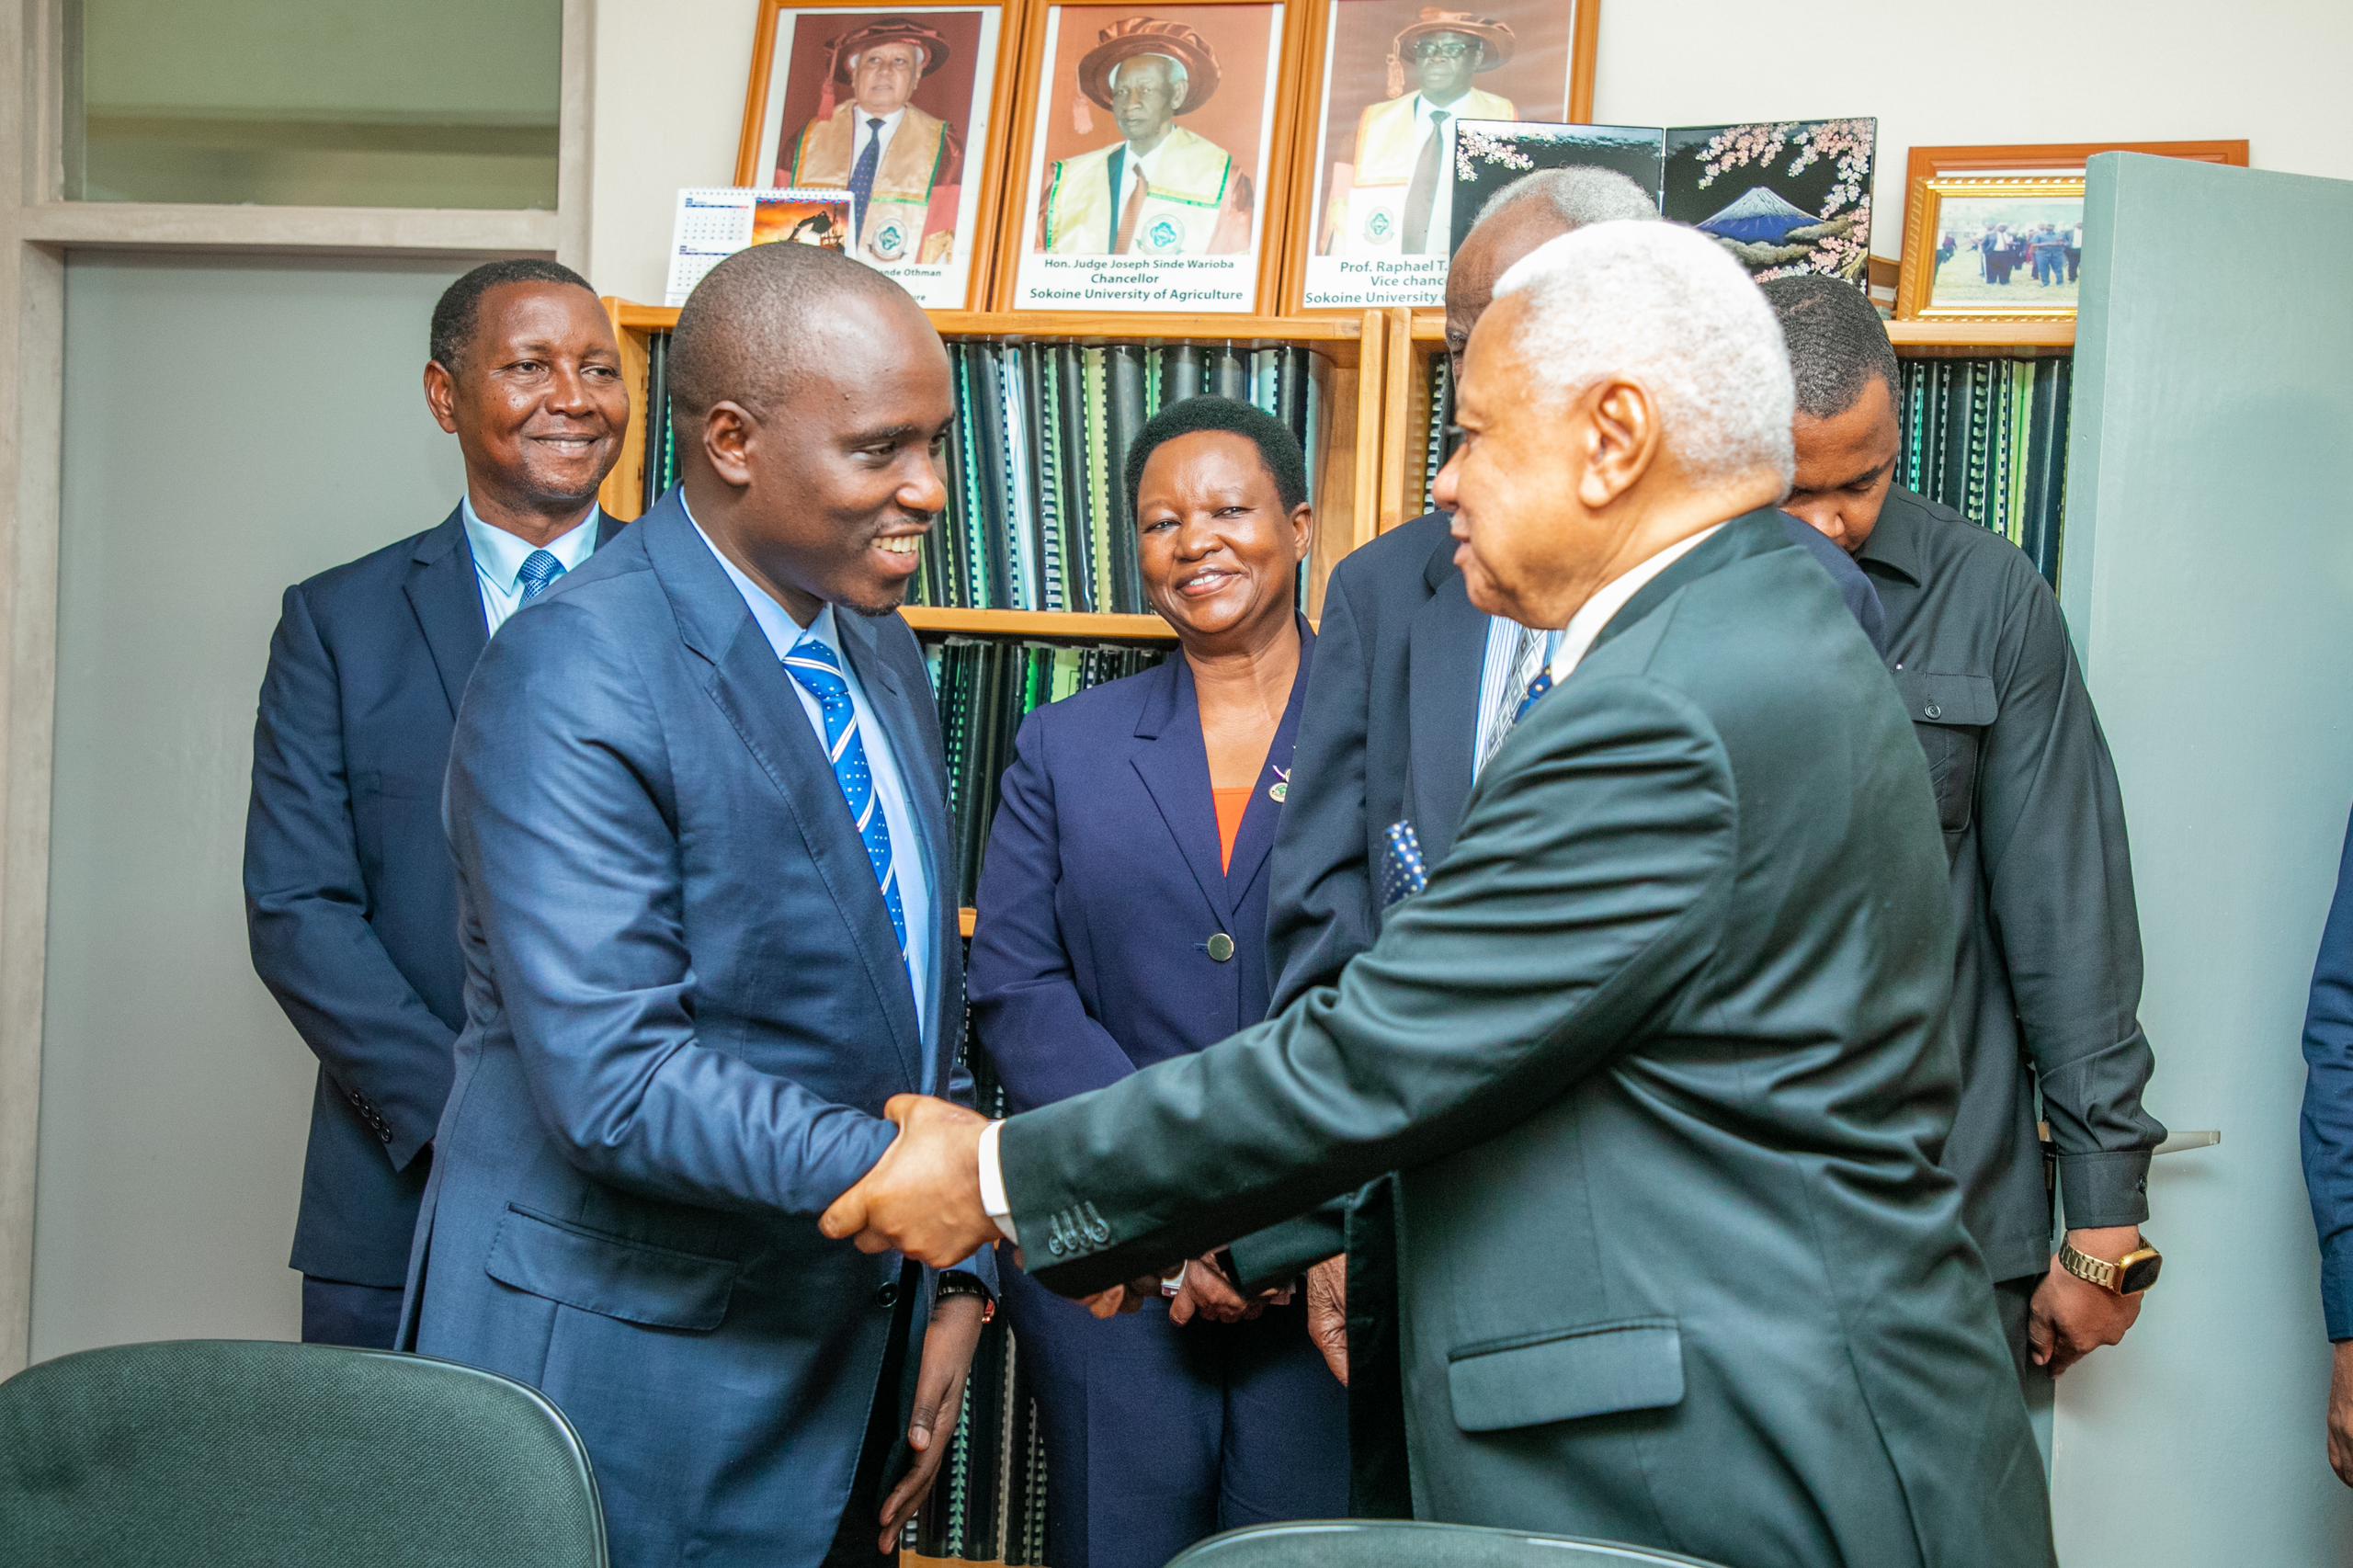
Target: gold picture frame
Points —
{"points": [[795, 45], [1981, 247]]}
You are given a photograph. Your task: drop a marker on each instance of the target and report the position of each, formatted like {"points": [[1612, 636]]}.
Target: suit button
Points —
{"points": [[887, 1297], [1055, 1246], [1933, 710], [1220, 947], [1099, 1232]]}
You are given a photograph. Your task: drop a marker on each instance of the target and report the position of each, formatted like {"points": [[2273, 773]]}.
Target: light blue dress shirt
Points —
{"points": [[499, 557], [1496, 674], [890, 785]]}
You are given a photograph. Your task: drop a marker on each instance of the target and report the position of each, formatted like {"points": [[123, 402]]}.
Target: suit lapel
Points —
{"points": [[1751, 533], [1174, 763], [446, 600], [750, 688], [1256, 837], [1445, 648]]}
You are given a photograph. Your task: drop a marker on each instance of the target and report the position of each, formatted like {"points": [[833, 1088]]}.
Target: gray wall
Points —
{"points": [[231, 427]]}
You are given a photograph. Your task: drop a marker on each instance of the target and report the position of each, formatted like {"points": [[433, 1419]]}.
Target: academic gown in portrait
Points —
{"points": [[1195, 202], [1368, 218], [923, 160]]}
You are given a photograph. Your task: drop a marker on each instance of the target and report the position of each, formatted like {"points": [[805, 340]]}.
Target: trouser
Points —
{"points": [[2013, 1299], [336, 1311]]}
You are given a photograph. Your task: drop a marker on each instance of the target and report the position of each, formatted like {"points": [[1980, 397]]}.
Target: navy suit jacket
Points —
{"points": [[2328, 1103], [350, 904], [1102, 889], [685, 1009]]}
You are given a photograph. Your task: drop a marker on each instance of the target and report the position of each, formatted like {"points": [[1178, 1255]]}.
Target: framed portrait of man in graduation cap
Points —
{"points": [[1156, 139], [901, 110], [1389, 77]]}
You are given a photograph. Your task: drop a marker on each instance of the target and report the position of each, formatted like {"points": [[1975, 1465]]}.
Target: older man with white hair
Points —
{"points": [[1658, 1049]]}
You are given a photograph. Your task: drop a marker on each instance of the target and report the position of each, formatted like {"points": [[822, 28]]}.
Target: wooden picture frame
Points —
{"points": [[1319, 238], [967, 87], [2024, 161], [2015, 234], [1090, 278]]}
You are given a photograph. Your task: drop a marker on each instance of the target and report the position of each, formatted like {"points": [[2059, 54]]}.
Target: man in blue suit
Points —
{"points": [[1415, 688], [2328, 1140], [351, 901], [698, 802]]}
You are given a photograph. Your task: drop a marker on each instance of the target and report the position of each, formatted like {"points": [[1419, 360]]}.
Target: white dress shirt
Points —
{"points": [[499, 557], [890, 785], [1574, 642]]}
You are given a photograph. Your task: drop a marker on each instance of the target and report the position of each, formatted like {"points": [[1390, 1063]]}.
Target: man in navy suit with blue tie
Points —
{"points": [[698, 802], [351, 901]]}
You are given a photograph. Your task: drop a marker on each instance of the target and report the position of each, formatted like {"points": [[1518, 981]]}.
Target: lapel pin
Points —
{"points": [[1280, 786]]}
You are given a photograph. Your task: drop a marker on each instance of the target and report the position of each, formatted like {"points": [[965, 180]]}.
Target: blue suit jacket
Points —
{"points": [[2328, 1103], [684, 1010], [350, 903], [1102, 889]]}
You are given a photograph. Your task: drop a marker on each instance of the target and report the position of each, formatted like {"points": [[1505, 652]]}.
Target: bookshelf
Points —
{"points": [[1349, 352]]}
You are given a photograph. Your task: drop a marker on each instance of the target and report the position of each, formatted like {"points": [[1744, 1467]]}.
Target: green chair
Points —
{"points": [[253, 1454], [1396, 1543]]}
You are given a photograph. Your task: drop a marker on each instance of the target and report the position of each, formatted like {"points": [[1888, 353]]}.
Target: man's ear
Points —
{"points": [[1620, 439], [729, 435], [441, 396]]}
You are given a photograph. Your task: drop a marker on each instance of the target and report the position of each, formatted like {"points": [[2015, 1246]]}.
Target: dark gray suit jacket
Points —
{"points": [[1659, 1056]]}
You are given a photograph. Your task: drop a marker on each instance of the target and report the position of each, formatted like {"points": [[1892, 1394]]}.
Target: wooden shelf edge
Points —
{"points": [[1944, 338], [1339, 333], [1062, 625]]}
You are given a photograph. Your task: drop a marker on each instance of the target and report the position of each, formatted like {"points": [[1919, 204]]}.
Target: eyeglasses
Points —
{"points": [[1450, 48]]}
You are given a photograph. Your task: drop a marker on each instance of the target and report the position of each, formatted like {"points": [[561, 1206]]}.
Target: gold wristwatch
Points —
{"points": [[2128, 1276]]}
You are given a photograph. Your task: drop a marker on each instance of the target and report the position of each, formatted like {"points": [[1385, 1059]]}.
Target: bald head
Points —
{"points": [[753, 328], [1517, 220]]}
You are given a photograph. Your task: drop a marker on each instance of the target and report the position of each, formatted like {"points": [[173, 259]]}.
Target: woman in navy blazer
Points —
{"points": [[1122, 921]]}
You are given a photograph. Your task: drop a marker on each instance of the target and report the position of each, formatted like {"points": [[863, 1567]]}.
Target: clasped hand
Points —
{"points": [[923, 1197]]}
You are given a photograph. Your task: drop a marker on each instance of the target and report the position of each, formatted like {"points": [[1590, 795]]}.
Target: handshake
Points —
{"points": [[922, 1199]]}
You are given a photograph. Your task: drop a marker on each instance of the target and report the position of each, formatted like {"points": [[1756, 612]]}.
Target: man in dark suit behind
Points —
{"points": [[351, 902], [1413, 690], [1659, 1050]]}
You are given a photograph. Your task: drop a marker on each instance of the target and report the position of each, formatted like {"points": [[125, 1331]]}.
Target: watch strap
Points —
{"points": [[2083, 1265]]}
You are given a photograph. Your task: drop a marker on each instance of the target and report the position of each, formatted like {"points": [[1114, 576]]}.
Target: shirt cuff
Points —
{"points": [[993, 1199], [2106, 1189], [2337, 1284]]}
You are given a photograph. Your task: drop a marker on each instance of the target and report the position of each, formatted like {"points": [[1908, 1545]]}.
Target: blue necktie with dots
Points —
{"points": [[861, 177], [539, 568], [819, 670], [1536, 688]]}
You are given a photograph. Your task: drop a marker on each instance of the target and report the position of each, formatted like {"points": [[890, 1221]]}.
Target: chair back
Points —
{"points": [[1410, 1543], [231, 1453]]}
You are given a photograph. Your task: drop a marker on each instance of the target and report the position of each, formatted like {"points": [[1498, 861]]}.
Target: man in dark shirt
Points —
{"points": [[2048, 976]]}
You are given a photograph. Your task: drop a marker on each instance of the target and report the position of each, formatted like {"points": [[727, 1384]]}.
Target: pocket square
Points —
{"points": [[1403, 872]]}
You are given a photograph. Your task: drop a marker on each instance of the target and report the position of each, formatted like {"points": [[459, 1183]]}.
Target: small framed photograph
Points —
{"points": [[1388, 80], [1941, 276], [903, 110], [1153, 144], [1992, 248]]}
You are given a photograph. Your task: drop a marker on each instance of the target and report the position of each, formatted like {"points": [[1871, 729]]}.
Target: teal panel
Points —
{"points": [[2209, 587]]}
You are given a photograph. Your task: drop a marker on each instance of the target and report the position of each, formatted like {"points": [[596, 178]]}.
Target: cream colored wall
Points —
{"points": [[670, 83]]}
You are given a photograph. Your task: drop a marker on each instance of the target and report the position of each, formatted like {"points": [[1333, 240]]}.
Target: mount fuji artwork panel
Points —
{"points": [[1782, 196]]}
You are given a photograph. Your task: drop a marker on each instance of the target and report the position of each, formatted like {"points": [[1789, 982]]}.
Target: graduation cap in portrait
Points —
{"points": [[1495, 39], [1131, 36], [844, 51]]}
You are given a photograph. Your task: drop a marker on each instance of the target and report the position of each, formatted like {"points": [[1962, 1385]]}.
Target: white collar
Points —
{"points": [[889, 121], [499, 555], [1598, 612]]}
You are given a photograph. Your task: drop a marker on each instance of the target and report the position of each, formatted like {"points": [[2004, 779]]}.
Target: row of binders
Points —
{"points": [[985, 688], [1038, 509], [1987, 438]]}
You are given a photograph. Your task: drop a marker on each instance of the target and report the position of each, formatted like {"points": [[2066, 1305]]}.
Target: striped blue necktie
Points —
{"points": [[539, 568], [819, 670]]}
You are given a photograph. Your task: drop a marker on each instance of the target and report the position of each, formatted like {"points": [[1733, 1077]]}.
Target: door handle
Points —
{"points": [[2188, 1142]]}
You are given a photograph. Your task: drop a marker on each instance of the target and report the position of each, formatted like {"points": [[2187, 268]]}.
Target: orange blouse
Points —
{"points": [[1231, 805]]}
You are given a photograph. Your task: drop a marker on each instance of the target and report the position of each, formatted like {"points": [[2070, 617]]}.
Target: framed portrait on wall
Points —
{"points": [[1151, 158], [904, 110], [1388, 78]]}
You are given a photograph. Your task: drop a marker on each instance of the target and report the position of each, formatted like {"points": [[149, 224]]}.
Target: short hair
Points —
{"points": [[1836, 344], [1669, 307], [742, 335], [1180, 79], [459, 311], [1278, 447], [1576, 197], [862, 51]]}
